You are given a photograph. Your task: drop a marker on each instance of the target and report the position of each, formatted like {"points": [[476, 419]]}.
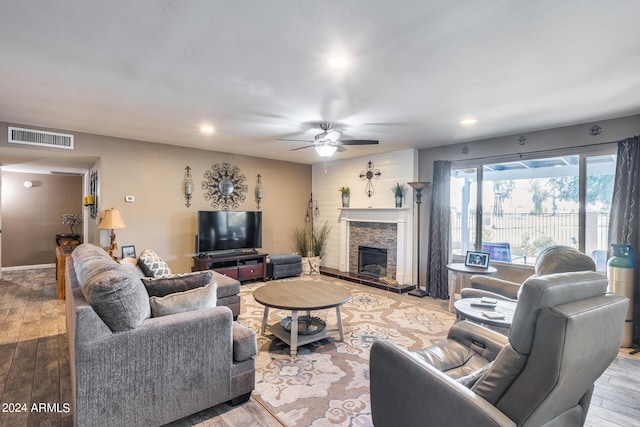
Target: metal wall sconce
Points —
{"points": [[187, 185], [259, 191]]}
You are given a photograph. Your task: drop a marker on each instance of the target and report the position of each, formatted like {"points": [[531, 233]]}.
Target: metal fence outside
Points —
{"points": [[528, 233]]}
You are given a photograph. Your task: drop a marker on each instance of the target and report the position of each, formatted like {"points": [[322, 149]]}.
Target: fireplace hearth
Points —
{"points": [[372, 261]]}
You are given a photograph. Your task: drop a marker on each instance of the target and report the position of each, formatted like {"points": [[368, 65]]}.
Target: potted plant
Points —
{"points": [[346, 192], [302, 239], [72, 239], [318, 244], [398, 191]]}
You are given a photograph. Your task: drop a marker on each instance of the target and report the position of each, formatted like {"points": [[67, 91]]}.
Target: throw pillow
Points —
{"points": [[152, 264], [89, 261], [165, 285], [118, 298], [131, 264], [194, 299]]}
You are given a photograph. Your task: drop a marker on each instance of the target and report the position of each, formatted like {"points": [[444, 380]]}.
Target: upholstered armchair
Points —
{"points": [[554, 259], [566, 331]]}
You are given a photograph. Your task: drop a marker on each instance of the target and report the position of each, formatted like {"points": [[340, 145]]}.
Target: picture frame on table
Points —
{"points": [[129, 251], [477, 259]]}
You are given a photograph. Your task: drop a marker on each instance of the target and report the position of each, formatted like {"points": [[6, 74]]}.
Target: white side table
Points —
{"points": [[466, 271]]}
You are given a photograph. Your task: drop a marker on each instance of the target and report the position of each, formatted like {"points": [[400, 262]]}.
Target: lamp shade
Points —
{"points": [[418, 185], [112, 220]]}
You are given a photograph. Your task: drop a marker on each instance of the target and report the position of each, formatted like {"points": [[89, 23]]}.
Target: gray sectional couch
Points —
{"points": [[128, 368]]}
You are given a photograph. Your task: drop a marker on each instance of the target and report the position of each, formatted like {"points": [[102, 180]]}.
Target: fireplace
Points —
{"points": [[386, 228], [372, 261]]}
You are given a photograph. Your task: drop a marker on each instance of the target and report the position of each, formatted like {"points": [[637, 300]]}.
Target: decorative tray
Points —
{"points": [[307, 325]]}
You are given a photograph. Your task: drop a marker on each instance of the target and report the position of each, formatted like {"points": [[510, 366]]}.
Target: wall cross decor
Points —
{"points": [[225, 186], [369, 174]]}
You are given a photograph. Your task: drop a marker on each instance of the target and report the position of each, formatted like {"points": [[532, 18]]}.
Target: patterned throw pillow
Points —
{"points": [[152, 264]]}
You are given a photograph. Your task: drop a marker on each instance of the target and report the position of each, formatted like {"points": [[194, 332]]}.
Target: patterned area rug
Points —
{"points": [[327, 383]]}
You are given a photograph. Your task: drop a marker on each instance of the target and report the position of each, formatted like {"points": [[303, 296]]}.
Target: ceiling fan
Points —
{"points": [[330, 141]]}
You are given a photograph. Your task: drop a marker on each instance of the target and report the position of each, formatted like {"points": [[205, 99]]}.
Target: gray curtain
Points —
{"points": [[624, 223], [438, 253]]}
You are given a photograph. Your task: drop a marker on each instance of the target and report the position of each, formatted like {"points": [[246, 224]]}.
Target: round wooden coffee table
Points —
{"points": [[300, 296]]}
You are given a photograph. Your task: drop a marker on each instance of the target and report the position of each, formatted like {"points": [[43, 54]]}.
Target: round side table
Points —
{"points": [[466, 271]]}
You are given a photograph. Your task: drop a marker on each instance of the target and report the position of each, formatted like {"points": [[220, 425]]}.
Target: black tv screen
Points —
{"points": [[229, 231]]}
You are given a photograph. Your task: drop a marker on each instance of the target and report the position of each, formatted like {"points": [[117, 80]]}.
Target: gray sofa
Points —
{"points": [[128, 368]]}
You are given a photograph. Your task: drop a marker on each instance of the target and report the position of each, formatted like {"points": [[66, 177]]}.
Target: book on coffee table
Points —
{"points": [[485, 302], [492, 315]]}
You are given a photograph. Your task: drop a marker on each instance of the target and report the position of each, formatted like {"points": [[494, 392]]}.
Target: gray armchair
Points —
{"points": [[554, 259], [566, 331]]}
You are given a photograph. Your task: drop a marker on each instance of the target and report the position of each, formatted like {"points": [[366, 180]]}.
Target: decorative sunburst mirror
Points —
{"points": [[224, 186]]}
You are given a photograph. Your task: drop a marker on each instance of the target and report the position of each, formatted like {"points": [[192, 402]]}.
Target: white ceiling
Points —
{"points": [[257, 70]]}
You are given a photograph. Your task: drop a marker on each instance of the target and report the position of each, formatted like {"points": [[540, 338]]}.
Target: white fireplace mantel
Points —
{"points": [[399, 216]]}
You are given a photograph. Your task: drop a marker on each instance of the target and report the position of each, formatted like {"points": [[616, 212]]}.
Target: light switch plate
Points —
{"points": [[129, 199]]}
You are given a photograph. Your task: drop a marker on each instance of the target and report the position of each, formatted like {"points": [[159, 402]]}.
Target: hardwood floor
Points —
{"points": [[34, 367]]}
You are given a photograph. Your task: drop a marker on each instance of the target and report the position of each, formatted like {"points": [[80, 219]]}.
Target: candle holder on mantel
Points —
{"points": [[418, 187]]}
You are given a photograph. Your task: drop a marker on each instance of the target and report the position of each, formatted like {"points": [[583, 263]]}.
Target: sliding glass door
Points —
{"points": [[515, 209]]}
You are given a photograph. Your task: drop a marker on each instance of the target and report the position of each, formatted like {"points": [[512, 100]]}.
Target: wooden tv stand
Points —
{"points": [[241, 266]]}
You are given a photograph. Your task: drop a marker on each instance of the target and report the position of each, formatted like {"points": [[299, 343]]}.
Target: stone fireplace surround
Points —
{"points": [[402, 252]]}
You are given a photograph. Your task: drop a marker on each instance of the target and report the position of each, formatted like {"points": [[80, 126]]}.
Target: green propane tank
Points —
{"points": [[620, 274]]}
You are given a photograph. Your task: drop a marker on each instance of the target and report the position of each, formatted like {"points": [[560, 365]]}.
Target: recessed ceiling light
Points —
{"points": [[338, 62], [468, 121], [206, 129]]}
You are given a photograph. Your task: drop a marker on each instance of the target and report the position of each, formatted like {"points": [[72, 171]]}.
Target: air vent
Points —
{"points": [[40, 138]]}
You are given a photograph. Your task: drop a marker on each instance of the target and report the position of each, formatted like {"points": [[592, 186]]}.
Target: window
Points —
{"points": [[515, 209]]}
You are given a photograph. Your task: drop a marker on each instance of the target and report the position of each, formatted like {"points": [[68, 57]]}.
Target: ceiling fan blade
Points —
{"points": [[341, 149], [295, 140], [300, 148], [359, 141]]}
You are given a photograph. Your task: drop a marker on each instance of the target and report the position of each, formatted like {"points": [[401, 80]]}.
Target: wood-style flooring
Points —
{"points": [[34, 367]]}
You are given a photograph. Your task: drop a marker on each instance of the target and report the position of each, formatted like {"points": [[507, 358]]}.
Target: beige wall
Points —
{"points": [[31, 216], [159, 219]]}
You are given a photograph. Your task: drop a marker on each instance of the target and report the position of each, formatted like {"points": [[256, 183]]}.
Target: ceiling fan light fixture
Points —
{"points": [[333, 135], [338, 62], [325, 149]]}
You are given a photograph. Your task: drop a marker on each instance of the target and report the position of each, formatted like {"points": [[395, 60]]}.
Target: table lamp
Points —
{"points": [[112, 220]]}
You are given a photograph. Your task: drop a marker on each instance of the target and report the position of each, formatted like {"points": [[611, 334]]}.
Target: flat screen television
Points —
{"points": [[228, 231]]}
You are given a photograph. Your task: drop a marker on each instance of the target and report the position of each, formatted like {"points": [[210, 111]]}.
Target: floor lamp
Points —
{"points": [[418, 187]]}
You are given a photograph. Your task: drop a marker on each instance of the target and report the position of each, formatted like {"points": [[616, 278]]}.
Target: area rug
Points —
{"points": [[327, 383]]}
